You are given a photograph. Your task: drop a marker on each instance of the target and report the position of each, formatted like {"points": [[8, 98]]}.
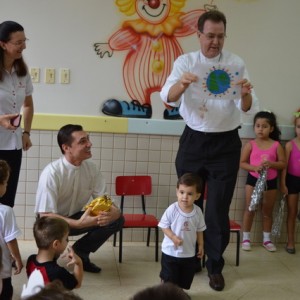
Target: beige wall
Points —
{"points": [[62, 33]]}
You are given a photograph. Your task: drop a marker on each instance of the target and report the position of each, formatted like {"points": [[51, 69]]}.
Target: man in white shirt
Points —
{"points": [[210, 144], [66, 185]]}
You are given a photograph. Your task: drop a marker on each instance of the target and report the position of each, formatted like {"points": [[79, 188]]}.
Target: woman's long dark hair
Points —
{"points": [[6, 29]]}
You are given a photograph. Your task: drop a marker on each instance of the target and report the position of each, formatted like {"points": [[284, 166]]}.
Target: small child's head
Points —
{"points": [[164, 291], [297, 122], [54, 290], [189, 187], [267, 121], [4, 175], [51, 233]]}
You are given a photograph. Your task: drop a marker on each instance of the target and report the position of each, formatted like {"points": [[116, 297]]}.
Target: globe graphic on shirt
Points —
{"points": [[218, 81]]}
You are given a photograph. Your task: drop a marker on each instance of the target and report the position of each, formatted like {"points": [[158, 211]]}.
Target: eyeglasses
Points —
{"points": [[211, 36], [19, 43]]}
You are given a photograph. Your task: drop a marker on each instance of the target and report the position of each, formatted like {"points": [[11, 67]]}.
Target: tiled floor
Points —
{"points": [[261, 275]]}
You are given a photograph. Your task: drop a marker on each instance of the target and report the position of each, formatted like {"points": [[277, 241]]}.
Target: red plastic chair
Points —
{"points": [[136, 186]]}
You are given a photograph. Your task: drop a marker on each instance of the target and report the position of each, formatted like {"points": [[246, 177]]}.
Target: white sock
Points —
{"points": [[267, 236], [246, 236]]}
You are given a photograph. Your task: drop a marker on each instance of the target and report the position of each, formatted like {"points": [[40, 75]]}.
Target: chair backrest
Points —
{"points": [[139, 185], [133, 185]]}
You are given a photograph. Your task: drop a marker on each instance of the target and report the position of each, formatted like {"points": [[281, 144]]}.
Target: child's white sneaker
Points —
{"points": [[246, 245], [269, 246]]}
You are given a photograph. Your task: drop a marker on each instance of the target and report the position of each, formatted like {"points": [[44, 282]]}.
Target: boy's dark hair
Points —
{"points": [[191, 179], [163, 291], [271, 119], [4, 171], [48, 229], [212, 15], [6, 29], [64, 136]]}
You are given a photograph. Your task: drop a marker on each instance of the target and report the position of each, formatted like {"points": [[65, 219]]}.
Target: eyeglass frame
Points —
{"points": [[19, 43], [220, 37]]}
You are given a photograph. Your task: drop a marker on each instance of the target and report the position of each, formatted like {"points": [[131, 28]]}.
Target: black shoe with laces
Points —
{"points": [[88, 266]]}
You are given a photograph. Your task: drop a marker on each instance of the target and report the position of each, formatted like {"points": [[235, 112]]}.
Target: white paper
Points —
{"points": [[218, 81]]}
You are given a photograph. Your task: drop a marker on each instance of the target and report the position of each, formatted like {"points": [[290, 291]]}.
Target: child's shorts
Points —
{"points": [[178, 270], [293, 183], [270, 184]]}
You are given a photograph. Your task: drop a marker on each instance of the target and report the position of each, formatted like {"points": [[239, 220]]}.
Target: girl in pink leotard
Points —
{"points": [[264, 151], [290, 183]]}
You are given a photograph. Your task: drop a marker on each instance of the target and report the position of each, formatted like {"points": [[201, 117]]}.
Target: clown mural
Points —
{"points": [[152, 45]]}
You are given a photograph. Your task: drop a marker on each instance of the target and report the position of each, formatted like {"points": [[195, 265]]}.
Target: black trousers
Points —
{"points": [[95, 236], [14, 159], [215, 157], [7, 289]]}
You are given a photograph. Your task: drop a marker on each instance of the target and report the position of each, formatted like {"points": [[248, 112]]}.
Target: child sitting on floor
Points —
{"points": [[51, 237]]}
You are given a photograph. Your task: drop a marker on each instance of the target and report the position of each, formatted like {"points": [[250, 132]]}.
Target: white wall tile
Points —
{"points": [[45, 139], [45, 151], [143, 143], [34, 151], [131, 142], [32, 163], [119, 154], [107, 141], [130, 155]]}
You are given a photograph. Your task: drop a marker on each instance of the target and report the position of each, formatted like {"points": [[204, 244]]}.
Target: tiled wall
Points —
{"points": [[118, 154]]}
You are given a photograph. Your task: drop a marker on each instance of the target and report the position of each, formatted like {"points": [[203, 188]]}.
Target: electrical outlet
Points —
{"points": [[50, 75], [64, 75], [35, 75]]}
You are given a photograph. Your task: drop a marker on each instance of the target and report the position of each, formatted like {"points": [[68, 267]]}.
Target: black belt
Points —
{"points": [[219, 133]]}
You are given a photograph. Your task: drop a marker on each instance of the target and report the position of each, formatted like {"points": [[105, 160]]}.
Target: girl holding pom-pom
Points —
{"points": [[264, 152]]}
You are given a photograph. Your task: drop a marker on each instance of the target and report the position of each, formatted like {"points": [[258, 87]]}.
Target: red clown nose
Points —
{"points": [[154, 3]]}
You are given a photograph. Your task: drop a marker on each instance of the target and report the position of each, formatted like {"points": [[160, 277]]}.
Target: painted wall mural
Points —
{"points": [[151, 39]]}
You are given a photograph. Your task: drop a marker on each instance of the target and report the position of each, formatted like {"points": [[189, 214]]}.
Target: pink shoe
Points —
{"points": [[246, 245], [269, 246]]}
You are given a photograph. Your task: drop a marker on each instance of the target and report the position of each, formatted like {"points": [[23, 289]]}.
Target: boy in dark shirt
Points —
{"points": [[51, 236]]}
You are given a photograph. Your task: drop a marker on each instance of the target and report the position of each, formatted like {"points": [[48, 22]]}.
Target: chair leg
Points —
{"points": [[115, 239], [237, 258], [156, 243], [238, 237], [148, 236], [120, 245]]}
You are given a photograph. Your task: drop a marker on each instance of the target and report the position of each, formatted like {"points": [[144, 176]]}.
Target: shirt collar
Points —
{"points": [[216, 59], [68, 164]]}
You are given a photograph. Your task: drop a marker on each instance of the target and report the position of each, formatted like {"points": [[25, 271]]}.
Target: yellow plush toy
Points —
{"points": [[102, 203]]}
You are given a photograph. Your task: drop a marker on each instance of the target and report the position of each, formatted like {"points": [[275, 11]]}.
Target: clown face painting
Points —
{"points": [[151, 40]]}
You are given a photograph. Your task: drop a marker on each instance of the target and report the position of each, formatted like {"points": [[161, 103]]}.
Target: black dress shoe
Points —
{"points": [[216, 282], [90, 267], [290, 250]]}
